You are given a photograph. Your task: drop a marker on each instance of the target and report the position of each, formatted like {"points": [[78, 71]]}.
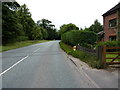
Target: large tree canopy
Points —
{"points": [[47, 25], [10, 24], [17, 23], [26, 21]]}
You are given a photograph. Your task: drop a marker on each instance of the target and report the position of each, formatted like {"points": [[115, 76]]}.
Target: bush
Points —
{"points": [[84, 38], [109, 44], [22, 38]]}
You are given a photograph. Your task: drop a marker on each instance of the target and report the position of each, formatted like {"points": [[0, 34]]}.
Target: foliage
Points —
{"points": [[18, 25], [10, 24], [67, 27], [79, 37], [90, 60], [26, 21], [48, 29], [22, 38], [36, 34], [44, 23], [96, 27], [109, 44], [44, 33]]}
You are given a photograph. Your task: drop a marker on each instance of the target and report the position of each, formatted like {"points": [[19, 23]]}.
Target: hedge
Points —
{"points": [[109, 44], [83, 38]]}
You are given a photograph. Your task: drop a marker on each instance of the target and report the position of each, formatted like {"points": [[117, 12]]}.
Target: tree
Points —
{"points": [[44, 23], [96, 27], [26, 21], [36, 33], [12, 29], [44, 32], [17, 24], [47, 25], [67, 27], [52, 34]]}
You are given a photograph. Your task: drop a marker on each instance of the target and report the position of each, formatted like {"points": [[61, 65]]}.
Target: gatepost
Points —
{"points": [[101, 54]]}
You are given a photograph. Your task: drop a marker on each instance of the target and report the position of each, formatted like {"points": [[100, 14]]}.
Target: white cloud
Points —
{"points": [[79, 12]]}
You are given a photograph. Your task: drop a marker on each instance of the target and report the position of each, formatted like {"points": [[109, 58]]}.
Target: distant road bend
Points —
{"points": [[42, 65]]}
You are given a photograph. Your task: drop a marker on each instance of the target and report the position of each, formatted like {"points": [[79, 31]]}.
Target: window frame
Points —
{"points": [[113, 23]]}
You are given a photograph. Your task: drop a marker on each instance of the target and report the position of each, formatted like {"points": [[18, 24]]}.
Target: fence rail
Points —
{"points": [[101, 53], [87, 50]]}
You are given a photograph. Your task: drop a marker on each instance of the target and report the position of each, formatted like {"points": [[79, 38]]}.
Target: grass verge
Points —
{"points": [[20, 44], [112, 56], [89, 59]]}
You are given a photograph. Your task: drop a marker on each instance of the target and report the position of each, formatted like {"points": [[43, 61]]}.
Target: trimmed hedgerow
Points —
{"points": [[83, 38]]}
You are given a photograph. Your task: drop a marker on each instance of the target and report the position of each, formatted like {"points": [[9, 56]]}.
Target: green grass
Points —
{"points": [[89, 59], [111, 56], [20, 44]]}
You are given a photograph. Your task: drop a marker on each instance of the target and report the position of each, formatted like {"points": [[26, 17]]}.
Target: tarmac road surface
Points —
{"points": [[42, 65]]}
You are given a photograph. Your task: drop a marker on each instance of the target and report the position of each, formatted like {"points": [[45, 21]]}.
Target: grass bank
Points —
{"points": [[20, 44], [89, 59]]}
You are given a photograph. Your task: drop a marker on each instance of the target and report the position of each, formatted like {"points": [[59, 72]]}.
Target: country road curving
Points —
{"points": [[42, 65]]}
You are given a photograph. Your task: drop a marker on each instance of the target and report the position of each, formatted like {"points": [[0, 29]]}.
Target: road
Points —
{"points": [[42, 65]]}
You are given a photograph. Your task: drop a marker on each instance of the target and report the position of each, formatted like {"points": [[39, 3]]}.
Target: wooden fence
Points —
{"points": [[87, 50], [112, 59], [101, 54]]}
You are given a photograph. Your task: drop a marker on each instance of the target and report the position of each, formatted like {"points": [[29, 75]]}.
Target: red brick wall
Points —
{"points": [[109, 31]]}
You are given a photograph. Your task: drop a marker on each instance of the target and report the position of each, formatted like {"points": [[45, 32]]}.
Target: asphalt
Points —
{"points": [[104, 78], [42, 65]]}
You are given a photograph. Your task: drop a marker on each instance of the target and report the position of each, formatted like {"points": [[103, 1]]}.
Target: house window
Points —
{"points": [[113, 23], [111, 38]]}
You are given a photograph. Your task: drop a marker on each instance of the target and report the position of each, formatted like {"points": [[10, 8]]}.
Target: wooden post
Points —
{"points": [[104, 56], [101, 55]]}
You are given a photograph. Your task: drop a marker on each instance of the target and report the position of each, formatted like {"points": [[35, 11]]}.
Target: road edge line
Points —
{"points": [[13, 65]]}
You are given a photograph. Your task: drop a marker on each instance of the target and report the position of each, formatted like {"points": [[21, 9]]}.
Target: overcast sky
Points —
{"points": [[79, 12]]}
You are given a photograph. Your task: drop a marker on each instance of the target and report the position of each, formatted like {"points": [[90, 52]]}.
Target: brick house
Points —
{"points": [[111, 23]]}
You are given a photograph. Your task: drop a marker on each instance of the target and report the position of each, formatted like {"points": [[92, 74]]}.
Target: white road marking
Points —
{"points": [[13, 65], [37, 50], [16, 64]]}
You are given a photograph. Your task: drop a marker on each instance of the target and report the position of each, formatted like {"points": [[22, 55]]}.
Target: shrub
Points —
{"points": [[84, 38], [109, 44], [22, 38]]}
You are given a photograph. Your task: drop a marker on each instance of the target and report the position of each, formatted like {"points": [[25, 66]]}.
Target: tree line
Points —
{"points": [[96, 27], [17, 25]]}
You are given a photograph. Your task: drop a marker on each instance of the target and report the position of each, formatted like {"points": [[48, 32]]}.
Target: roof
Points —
{"points": [[100, 33], [113, 10]]}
